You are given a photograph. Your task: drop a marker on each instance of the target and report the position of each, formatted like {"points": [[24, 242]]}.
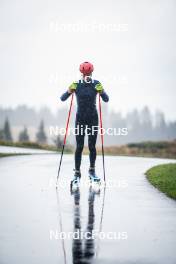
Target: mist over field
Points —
{"points": [[141, 125]]}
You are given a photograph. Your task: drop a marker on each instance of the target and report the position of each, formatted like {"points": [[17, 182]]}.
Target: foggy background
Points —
{"points": [[131, 44]]}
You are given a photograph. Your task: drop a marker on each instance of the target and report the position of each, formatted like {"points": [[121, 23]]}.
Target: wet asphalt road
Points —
{"points": [[131, 221]]}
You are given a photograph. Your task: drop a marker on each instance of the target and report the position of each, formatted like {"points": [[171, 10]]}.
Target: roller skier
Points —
{"points": [[86, 90]]}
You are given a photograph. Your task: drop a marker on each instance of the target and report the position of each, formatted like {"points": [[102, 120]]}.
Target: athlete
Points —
{"points": [[86, 121]]}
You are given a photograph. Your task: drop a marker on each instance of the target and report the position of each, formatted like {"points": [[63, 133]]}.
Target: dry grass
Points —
{"points": [[160, 149]]}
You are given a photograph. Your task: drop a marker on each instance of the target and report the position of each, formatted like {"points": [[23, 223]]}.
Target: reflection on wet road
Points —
{"points": [[83, 251], [83, 241]]}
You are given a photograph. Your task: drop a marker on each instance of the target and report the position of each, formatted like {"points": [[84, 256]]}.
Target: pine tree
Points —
{"points": [[1, 135], [7, 131], [23, 136], [41, 136]]}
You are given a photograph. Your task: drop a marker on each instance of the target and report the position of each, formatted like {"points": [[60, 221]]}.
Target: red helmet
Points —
{"points": [[86, 68]]}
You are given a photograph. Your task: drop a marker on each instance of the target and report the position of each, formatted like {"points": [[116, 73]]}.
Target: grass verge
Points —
{"points": [[163, 177], [2, 155]]}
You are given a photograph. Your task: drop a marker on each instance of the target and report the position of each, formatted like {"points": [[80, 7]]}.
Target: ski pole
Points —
{"points": [[102, 139], [66, 130]]}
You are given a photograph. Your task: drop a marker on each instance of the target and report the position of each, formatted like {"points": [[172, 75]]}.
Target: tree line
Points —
{"points": [[6, 134], [142, 124]]}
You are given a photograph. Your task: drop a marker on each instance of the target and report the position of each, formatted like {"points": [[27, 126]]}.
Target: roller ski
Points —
{"points": [[94, 179], [74, 184]]}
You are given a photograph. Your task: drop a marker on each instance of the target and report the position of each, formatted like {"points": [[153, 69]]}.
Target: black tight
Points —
{"points": [[92, 138]]}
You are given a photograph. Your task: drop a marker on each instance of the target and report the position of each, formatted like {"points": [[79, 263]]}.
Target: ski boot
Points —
{"points": [[93, 177], [76, 179]]}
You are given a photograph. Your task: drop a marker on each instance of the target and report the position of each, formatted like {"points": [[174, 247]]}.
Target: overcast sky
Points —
{"points": [[43, 42]]}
